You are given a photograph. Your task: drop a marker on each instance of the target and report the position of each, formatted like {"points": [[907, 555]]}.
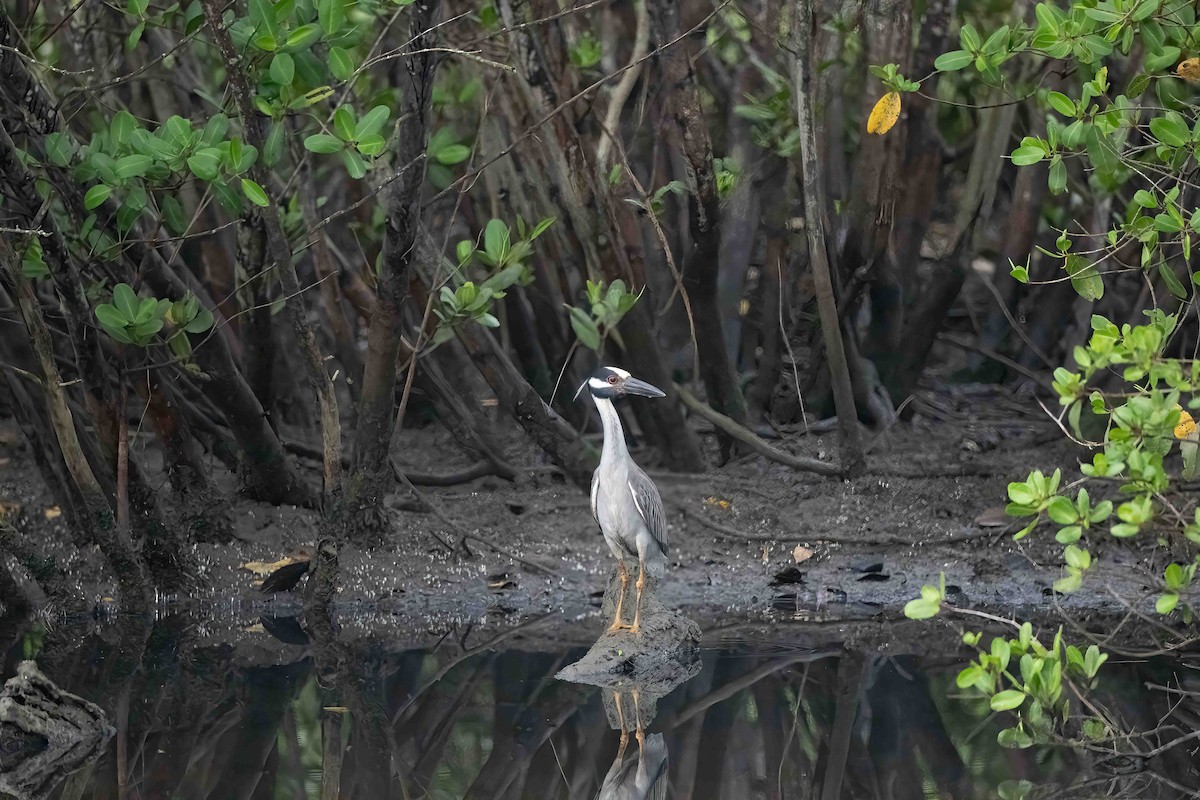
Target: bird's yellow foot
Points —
{"points": [[618, 626], [635, 628]]}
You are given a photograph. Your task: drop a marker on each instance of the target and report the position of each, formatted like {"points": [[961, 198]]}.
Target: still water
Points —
{"points": [[754, 713]]}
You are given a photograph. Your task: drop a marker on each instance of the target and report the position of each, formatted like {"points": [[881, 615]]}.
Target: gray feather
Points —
{"points": [[649, 505]]}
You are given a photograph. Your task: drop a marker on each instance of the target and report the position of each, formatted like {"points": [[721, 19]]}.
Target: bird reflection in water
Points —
{"points": [[640, 774]]}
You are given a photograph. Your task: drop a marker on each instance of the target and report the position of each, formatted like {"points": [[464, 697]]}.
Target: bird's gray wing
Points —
{"points": [[649, 504]]}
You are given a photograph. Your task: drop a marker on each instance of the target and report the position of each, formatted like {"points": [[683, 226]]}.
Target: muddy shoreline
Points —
{"points": [[930, 503]]}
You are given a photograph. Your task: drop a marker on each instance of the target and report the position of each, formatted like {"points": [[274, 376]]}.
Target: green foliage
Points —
{"points": [[1023, 676], [728, 35], [134, 320], [608, 306], [890, 76], [657, 202], [445, 150], [929, 604], [585, 51], [130, 319], [773, 116], [504, 257], [1133, 148], [727, 175], [33, 262], [352, 138]]}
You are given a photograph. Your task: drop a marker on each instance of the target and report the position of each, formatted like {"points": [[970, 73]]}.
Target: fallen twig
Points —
{"points": [[748, 437]]}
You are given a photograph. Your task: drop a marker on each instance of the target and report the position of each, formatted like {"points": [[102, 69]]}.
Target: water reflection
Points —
{"points": [[820, 711]]}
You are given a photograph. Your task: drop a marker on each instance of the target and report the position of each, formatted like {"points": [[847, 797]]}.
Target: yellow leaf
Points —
{"points": [[1186, 428], [53, 512], [713, 502], [267, 567], [255, 628], [336, 709], [1189, 70], [884, 114], [801, 553]]}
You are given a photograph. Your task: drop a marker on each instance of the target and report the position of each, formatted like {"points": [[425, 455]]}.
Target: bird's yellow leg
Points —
{"points": [[637, 716], [621, 722], [616, 623], [637, 615]]}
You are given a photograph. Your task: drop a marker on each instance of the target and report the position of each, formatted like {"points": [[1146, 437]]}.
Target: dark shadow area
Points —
{"points": [[804, 711]]}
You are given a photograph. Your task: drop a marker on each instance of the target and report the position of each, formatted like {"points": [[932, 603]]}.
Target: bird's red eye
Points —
{"points": [[612, 379]]}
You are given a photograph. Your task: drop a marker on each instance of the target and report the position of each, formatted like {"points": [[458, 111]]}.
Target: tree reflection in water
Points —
{"points": [[481, 715]]}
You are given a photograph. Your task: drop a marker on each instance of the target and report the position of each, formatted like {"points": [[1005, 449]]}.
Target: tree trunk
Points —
{"points": [[876, 190], [818, 253], [268, 473], [372, 474], [114, 541], [280, 254], [701, 267]]}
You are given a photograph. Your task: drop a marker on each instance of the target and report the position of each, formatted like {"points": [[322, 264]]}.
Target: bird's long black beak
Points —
{"points": [[634, 386]]}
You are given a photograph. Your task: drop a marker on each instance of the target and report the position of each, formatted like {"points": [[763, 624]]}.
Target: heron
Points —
{"points": [[625, 502], [643, 779]]}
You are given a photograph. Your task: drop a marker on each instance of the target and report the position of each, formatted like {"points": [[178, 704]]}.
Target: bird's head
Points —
{"points": [[611, 383]]}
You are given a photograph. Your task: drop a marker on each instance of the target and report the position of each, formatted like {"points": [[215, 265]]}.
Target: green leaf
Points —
{"points": [[921, 608], [452, 154], [372, 122], [122, 126], [205, 164], [201, 322], [969, 38], [1025, 155], [96, 196], [1166, 603], [110, 317], [354, 164], [1056, 180], [125, 301], [303, 36], [133, 166], [58, 148], [585, 328], [1170, 129], [343, 123], [1007, 700], [180, 345], [340, 64], [496, 239], [1062, 511], [1085, 279], [135, 35], [264, 18], [1169, 278], [946, 62], [273, 147], [137, 7], [1062, 104], [332, 14], [283, 69], [230, 200], [371, 145], [969, 676], [172, 211], [255, 193], [323, 143], [1015, 737]]}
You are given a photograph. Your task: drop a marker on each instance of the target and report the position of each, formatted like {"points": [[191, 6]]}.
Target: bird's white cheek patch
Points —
{"points": [[596, 383]]}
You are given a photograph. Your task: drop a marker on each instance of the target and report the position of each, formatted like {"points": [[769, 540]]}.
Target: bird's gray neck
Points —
{"points": [[614, 451]]}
